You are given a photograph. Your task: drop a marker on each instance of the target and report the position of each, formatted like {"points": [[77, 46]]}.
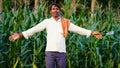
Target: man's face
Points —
{"points": [[55, 11]]}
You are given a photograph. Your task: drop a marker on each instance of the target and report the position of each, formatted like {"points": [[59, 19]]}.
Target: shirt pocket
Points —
{"points": [[59, 28]]}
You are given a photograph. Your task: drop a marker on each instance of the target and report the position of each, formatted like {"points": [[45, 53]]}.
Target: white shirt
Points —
{"points": [[55, 38]]}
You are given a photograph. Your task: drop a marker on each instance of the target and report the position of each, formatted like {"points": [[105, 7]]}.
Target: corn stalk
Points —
{"points": [[1, 8], [93, 4], [82, 52]]}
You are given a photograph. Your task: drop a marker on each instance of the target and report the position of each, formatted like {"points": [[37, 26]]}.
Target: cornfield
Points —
{"points": [[82, 52]]}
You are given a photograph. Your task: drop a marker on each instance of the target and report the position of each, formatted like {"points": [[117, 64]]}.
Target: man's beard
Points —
{"points": [[56, 14]]}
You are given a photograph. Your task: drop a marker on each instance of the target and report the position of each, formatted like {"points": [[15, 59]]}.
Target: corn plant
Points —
{"points": [[82, 52]]}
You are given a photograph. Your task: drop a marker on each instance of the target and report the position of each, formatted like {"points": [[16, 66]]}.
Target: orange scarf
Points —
{"points": [[65, 25]]}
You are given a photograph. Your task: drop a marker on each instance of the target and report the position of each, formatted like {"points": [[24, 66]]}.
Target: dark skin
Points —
{"points": [[55, 11]]}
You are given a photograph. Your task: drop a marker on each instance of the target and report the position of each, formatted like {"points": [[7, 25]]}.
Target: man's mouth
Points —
{"points": [[55, 12]]}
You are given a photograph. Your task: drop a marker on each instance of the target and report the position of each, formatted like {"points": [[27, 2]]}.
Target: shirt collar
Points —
{"points": [[54, 19]]}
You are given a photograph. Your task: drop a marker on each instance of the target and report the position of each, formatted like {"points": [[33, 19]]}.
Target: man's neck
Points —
{"points": [[56, 18]]}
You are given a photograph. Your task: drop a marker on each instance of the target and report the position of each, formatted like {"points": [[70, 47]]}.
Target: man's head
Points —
{"points": [[55, 10]]}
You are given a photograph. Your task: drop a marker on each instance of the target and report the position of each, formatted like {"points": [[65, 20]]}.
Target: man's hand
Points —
{"points": [[15, 36], [97, 34]]}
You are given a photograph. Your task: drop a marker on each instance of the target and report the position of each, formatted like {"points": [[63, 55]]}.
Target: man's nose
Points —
{"points": [[55, 9]]}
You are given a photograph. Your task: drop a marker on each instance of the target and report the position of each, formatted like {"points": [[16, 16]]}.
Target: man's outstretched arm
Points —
{"points": [[39, 27], [83, 31]]}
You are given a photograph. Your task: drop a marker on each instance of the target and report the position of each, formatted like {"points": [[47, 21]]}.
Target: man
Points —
{"points": [[55, 53]]}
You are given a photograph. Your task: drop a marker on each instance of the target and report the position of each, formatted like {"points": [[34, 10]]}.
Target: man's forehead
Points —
{"points": [[54, 6]]}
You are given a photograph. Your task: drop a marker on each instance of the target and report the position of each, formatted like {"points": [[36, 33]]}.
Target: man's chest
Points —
{"points": [[54, 27]]}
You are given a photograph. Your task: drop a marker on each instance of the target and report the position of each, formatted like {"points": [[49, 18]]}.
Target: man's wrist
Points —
{"points": [[20, 34], [92, 32]]}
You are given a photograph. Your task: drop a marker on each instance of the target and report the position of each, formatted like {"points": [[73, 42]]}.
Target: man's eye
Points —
{"points": [[53, 8]]}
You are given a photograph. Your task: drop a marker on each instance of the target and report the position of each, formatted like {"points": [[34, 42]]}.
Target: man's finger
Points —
{"points": [[10, 38], [99, 36]]}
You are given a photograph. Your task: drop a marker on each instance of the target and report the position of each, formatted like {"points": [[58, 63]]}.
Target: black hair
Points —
{"points": [[57, 5]]}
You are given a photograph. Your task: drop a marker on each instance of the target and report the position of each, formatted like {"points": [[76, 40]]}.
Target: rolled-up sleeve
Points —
{"points": [[79, 30], [39, 27]]}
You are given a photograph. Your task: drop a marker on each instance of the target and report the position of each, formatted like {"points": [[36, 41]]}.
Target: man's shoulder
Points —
{"points": [[47, 19]]}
